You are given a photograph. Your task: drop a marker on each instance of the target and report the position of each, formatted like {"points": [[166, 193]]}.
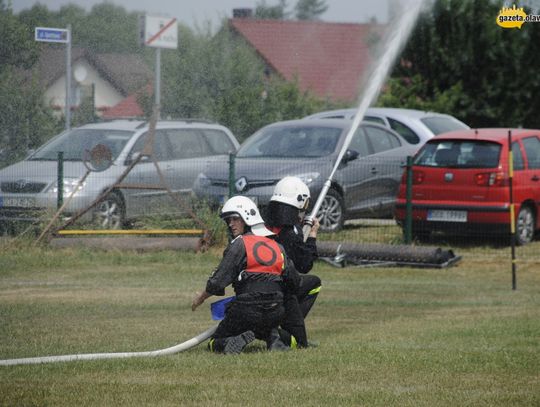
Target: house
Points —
{"points": [[105, 79], [327, 59]]}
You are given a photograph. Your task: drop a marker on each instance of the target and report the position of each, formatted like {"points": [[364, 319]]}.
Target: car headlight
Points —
{"points": [[309, 177], [69, 186], [202, 180]]}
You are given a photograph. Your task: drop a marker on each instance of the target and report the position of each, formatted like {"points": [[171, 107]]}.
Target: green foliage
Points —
{"points": [[310, 9], [24, 121], [221, 78], [460, 61], [277, 12]]}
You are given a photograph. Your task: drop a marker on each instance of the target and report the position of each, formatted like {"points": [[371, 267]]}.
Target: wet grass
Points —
{"points": [[388, 336]]}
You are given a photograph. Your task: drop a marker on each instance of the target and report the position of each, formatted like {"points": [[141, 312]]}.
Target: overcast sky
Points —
{"points": [[197, 12]]}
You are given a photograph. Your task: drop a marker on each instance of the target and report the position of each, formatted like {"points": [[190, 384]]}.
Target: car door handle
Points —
{"points": [[535, 178], [374, 170]]}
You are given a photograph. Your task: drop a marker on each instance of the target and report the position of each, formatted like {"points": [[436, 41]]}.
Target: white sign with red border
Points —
{"points": [[160, 32]]}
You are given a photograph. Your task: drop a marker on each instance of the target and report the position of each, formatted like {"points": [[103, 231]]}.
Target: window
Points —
{"points": [[381, 140], [187, 143], [459, 154], [404, 131], [161, 147], [519, 163], [532, 150], [442, 124], [219, 141], [374, 119], [359, 142]]}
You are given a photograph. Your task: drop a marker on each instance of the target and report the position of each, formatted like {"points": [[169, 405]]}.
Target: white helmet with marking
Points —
{"points": [[292, 191], [248, 211]]}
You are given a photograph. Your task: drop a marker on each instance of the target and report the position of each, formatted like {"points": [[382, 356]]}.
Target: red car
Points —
{"points": [[461, 184]]}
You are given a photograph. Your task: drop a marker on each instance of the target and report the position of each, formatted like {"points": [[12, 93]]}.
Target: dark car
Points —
{"points": [[461, 184], [365, 184]]}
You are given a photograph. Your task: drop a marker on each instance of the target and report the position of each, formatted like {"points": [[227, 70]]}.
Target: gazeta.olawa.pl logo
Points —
{"points": [[515, 17]]}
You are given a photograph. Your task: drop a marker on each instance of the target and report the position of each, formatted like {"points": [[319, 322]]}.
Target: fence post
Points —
{"points": [[408, 207], [232, 175], [60, 180]]}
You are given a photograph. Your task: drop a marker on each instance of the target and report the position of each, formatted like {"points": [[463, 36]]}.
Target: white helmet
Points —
{"points": [[247, 210], [292, 191]]}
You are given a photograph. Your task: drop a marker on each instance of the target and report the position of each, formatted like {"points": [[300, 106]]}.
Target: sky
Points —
{"points": [[196, 13]]}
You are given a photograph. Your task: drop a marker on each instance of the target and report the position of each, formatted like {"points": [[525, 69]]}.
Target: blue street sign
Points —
{"points": [[45, 34]]}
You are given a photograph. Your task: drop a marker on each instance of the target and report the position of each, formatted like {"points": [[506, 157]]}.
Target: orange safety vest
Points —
{"points": [[263, 255]]}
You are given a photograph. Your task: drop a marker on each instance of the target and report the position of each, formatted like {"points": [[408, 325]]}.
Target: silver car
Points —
{"points": [[180, 148], [365, 184], [416, 126]]}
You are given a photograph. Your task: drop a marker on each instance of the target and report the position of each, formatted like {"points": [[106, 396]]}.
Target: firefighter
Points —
{"points": [[259, 272], [284, 216]]}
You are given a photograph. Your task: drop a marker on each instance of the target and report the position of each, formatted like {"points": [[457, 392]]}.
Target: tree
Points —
{"points": [[24, 121], [277, 12], [457, 46], [310, 9]]}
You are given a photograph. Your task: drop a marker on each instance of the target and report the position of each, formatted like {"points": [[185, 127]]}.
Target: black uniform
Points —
{"points": [[302, 254], [259, 288]]}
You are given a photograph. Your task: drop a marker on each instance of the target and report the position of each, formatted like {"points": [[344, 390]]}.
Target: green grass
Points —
{"points": [[388, 336]]}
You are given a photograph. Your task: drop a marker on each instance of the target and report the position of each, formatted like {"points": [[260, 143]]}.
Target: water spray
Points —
{"points": [[394, 43]]}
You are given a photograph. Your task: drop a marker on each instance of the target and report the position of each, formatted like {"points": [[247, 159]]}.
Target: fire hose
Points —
{"points": [[119, 355]]}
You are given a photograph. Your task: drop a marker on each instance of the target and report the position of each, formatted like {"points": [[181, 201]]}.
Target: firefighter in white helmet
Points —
{"points": [[259, 272], [284, 216]]}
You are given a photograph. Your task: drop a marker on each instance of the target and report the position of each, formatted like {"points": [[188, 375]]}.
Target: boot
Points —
{"points": [[274, 342], [236, 344]]}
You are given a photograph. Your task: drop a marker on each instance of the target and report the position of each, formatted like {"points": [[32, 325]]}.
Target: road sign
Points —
{"points": [[45, 34], [159, 32]]}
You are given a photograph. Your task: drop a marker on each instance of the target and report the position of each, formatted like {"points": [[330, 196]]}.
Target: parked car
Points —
{"points": [[461, 184], [365, 184], [180, 148], [416, 126]]}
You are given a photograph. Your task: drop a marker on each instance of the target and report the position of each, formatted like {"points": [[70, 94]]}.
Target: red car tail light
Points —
{"points": [[489, 179], [417, 177]]}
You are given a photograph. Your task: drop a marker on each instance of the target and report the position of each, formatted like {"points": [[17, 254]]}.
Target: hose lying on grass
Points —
{"points": [[94, 356]]}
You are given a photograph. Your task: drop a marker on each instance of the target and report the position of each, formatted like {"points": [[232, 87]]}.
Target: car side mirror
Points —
{"points": [[349, 155]]}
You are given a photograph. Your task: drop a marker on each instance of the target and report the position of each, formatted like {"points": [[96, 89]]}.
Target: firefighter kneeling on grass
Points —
{"points": [[259, 272]]}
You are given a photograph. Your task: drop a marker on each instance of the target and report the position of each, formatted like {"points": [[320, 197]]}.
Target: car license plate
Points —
{"points": [[447, 215], [17, 202]]}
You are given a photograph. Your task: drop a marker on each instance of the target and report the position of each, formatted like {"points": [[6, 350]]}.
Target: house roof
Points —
{"points": [[128, 107], [326, 58], [126, 72]]}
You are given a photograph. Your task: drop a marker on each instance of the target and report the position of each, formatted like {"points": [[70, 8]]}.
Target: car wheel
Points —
{"points": [[331, 214], [525, 225], [110, 213]]}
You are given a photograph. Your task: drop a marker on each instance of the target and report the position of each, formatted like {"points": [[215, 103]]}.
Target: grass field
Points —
{"points": [[388, 336]]}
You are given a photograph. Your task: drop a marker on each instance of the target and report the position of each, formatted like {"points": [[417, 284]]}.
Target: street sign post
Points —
{"points": [[158, 32], [60, 35], [45, 34]]}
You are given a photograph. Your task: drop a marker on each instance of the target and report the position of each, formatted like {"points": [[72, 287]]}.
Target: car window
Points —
{"points": [[74, 143], [161, 147], [459, 154], [187, 143], [406, 132], [374, 119], [442, 124], [532, 150], [359, 143], [219, 141], [291, 141], [381, 140], [519, 163]]}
